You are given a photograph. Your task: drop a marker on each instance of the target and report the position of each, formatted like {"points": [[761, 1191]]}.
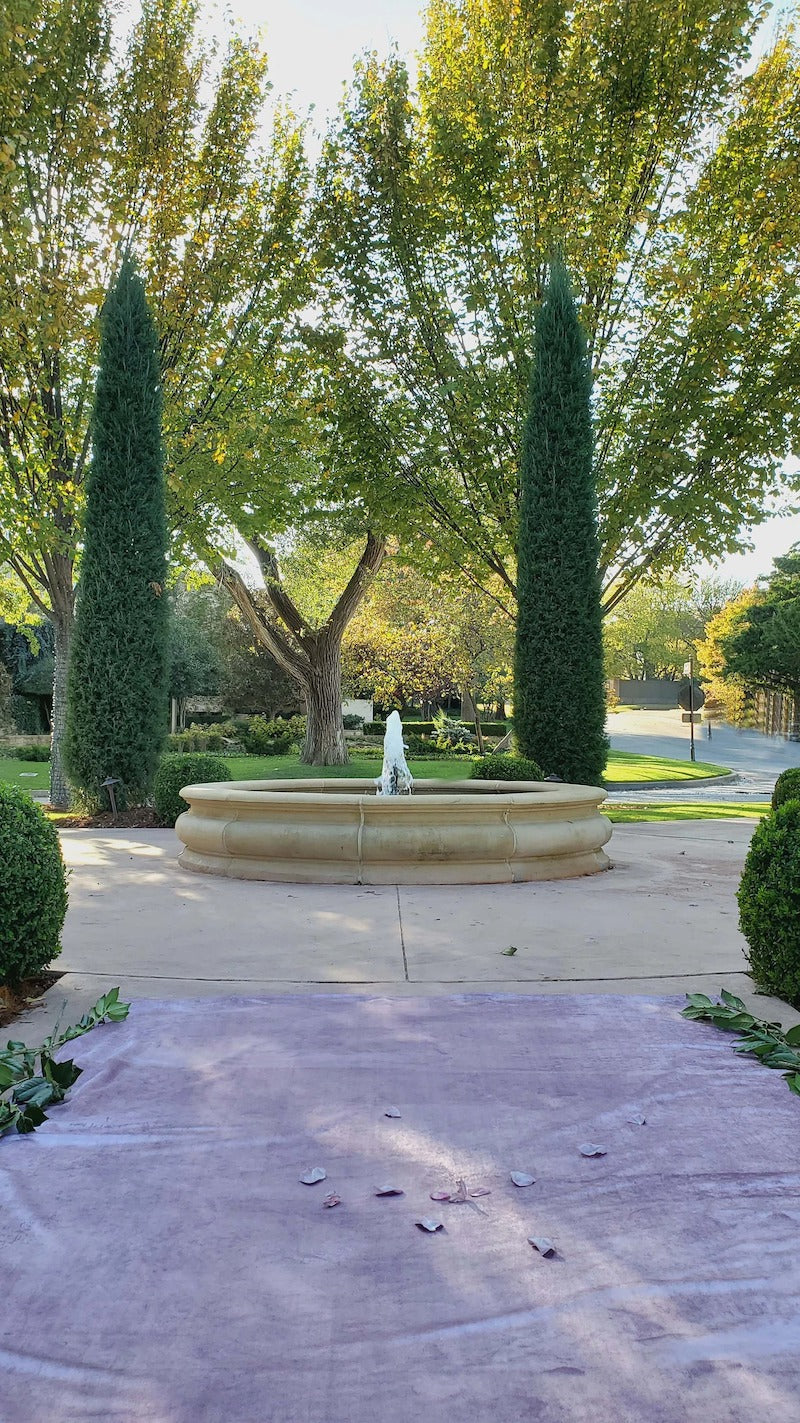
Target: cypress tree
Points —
{"points": [[559, 691], [117, 679]]}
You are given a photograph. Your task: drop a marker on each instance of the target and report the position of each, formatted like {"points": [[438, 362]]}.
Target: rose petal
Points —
{"points": [[481, 1191], [332, 1200], [440, 1195], [392, 1112], [522, 1178], [389, 1191], [590, 1148], [426, 1223], [313, 1176]]}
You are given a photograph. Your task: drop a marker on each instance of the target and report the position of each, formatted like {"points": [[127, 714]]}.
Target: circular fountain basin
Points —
{"points": [[341, 832]]}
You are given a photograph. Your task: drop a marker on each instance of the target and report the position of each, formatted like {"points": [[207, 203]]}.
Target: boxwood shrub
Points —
{"points": [[180, 769], [506, 768], [787, 787], [33, 888], [769, 903]]}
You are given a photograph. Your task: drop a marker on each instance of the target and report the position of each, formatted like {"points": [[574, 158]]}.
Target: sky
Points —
{"points": [[311, 46]]}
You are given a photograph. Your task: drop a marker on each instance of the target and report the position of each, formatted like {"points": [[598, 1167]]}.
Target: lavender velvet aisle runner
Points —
{"points": [[162, 1262]]}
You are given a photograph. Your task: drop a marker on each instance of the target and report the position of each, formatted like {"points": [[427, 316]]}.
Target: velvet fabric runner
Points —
{"points": [[162, 1263]]}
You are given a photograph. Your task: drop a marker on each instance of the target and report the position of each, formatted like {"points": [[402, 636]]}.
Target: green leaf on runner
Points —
{"points": [[765, 1041]]}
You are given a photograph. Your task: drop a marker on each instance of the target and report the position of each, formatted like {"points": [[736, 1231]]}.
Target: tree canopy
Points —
{"points": [[626, 136], [763, 648]]}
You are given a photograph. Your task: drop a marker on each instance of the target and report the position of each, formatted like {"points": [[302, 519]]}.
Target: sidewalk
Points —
{"points": [[662, 921]]}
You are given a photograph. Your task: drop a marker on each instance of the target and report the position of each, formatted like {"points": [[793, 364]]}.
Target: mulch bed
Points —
{"points": [[141, 818], [14, 1002]]}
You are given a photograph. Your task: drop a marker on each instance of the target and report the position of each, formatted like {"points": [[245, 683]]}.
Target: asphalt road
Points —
{"points": [[660, 733]]}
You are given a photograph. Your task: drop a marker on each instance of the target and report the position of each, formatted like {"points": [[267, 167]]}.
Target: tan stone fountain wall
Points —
{"points": [[340, 832]]}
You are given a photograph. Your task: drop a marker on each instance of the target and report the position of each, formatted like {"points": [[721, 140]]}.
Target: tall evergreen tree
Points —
{"points": [[559, 693], [117, 684]]}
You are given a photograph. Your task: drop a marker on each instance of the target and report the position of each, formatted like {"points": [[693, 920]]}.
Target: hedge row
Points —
{"points": [[429, 728]]}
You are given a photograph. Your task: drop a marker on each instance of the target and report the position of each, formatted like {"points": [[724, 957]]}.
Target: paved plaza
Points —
{"points": [[662, 920]]}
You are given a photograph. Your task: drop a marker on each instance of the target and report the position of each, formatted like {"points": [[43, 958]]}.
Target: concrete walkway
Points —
{"points": [[663, 920]]}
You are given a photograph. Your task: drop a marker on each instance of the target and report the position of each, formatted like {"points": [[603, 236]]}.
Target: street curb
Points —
{"points": [[673, 784]]}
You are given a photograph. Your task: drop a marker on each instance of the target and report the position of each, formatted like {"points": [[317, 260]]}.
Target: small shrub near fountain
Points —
{"points": [[769, 903], [33, 888], [787, 787], [184, 769], [506, 768]]}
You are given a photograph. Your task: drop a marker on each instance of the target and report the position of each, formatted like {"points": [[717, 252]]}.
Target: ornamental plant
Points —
{"points": [[559, 681], [506, 768], [33, 888], [118, 668], [178, 770], [787, 787], [769, 903]]}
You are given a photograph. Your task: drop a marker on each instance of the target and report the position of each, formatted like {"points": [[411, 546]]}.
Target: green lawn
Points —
{"points": [[702, 810], [31, 775], [622, 766], [277, 768], [628, 766]]}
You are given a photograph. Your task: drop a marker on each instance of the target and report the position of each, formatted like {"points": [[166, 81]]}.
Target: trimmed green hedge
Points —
{"points": [[506, 768], [429, 728], [769, 903], [183, 769], [787, 787], [25, 753], [33, 888]]}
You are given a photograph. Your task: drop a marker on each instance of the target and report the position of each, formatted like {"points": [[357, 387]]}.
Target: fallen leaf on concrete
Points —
{"points": [[393, 1112], [542, 1244], [522, 1178], [590, 1148], [313, 1176], [332, 1200], [426, 1223], [388, 1191]]}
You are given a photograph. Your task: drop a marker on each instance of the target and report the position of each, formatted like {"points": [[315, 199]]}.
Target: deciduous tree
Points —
{"points": [[626, 135], [152, 147]]}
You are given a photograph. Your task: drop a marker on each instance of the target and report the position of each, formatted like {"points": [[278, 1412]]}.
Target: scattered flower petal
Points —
{"points": [[636, 1119], [393, 1112], [481, 1191], [542, 1244], [426, 1223], [440, 1195], [332, 1200], [590, 1148], [522, 1178], [389, 1191], [313, 1176]]}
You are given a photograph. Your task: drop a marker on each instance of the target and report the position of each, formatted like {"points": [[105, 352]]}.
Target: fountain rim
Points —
{"points": [[322, 791]]}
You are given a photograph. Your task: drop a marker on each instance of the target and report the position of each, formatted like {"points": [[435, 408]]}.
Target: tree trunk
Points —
{"points": [[62, 627], [325, 743]]}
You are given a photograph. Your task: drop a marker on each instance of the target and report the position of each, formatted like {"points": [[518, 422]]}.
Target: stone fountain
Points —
{"points": [[345, 831]]}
